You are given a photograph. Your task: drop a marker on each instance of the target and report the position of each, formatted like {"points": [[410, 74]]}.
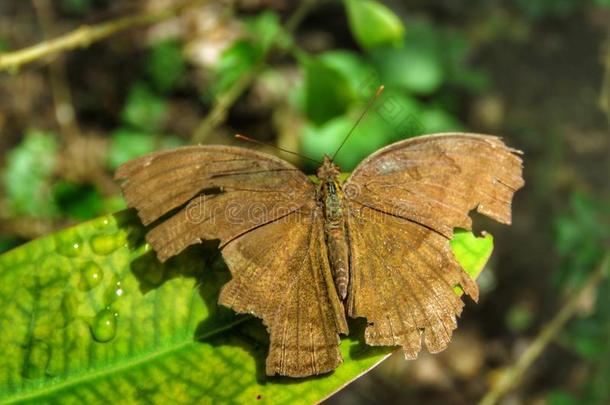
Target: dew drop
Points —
{"points": [[90, 276], [101, 223], [69, 245], [119, 290], [104, 244], [104, 325], [114, 290]]}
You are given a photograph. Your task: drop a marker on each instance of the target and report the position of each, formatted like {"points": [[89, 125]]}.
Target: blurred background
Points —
{"points": [[297, 75]]}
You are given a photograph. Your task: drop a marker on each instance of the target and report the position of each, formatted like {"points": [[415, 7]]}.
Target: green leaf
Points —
{"points": [[234, 62], [471, 252], [370, 135], [401, 113], [78, 201], [127, 144], [436, 120], [373, 24], [264, 29], [328, 92], [143, 109], [393, 117], [9, 242], [559, 397], [416, 70], [89, 315], [358, 73], [28, 174], [165, 65]]}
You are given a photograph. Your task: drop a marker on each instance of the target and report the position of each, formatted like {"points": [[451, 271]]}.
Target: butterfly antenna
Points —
{"points": [[248, 139], [362, 115]]}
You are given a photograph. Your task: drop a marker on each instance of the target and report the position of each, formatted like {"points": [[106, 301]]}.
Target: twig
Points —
{"points": [[604, 97], [86, 35], [512, 377], [62, 96], [220, 109]]}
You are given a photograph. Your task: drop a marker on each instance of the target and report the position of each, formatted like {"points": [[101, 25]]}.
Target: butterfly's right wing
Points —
{"points": [[209, 192], [281, 274], [404, 202]]}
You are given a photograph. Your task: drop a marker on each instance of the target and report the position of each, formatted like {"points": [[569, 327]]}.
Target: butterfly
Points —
{"points": [[304, 256]]}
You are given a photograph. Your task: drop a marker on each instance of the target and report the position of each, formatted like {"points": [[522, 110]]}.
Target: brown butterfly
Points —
{"points": [[305, 255]]}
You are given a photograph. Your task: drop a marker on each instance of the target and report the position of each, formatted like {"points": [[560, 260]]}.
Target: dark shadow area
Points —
{"points": [[361, 350]]}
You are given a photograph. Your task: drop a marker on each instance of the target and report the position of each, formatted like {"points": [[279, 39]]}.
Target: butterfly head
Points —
{"points": [[328, 170]]}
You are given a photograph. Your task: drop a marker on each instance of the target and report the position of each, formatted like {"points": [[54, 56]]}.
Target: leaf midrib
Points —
{"points": [[115, 368]]}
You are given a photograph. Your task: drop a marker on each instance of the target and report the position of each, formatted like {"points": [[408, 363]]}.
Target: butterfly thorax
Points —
{"points": [[330, 196]]}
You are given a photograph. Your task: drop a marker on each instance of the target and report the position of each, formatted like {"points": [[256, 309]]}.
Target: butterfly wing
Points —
{"points": [[263, 211], [281, 274], [403, 203], [210, 192]]}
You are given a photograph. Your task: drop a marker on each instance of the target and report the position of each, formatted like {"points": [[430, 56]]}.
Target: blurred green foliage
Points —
{"points": [[33, 186], [76, 7], [28, 174], [143, 108], [419, 65], [261, 33], [373, 24], [582, 238], [537, 9], [165, 65], [424, 66], [78, 201], [128, 143]]}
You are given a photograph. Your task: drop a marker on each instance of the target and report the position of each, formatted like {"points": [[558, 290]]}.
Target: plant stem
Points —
{"points": [[86, 35], [220, 109], [604, 97], [512, 376], [65, 114]]}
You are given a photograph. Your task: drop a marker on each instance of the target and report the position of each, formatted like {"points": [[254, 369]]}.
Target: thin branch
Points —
{"points": [[604, 97], [65, 114], [221, 107], [86, 35], [513, 376]]}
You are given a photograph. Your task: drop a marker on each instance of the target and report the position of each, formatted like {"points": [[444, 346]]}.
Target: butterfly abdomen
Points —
{"points": [[336, 241]]}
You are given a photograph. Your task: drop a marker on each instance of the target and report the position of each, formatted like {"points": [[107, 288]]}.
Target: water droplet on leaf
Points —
{"points": [[70, 245], [119, 290], [90, 276], [104, 325], [104, 244]]}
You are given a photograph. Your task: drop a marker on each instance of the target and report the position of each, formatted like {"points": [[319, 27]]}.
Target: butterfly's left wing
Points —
{"points": [[403, 203], [281, 274]]}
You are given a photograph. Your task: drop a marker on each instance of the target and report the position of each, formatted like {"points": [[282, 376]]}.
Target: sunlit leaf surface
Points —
{"points": [[90, 316]]}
